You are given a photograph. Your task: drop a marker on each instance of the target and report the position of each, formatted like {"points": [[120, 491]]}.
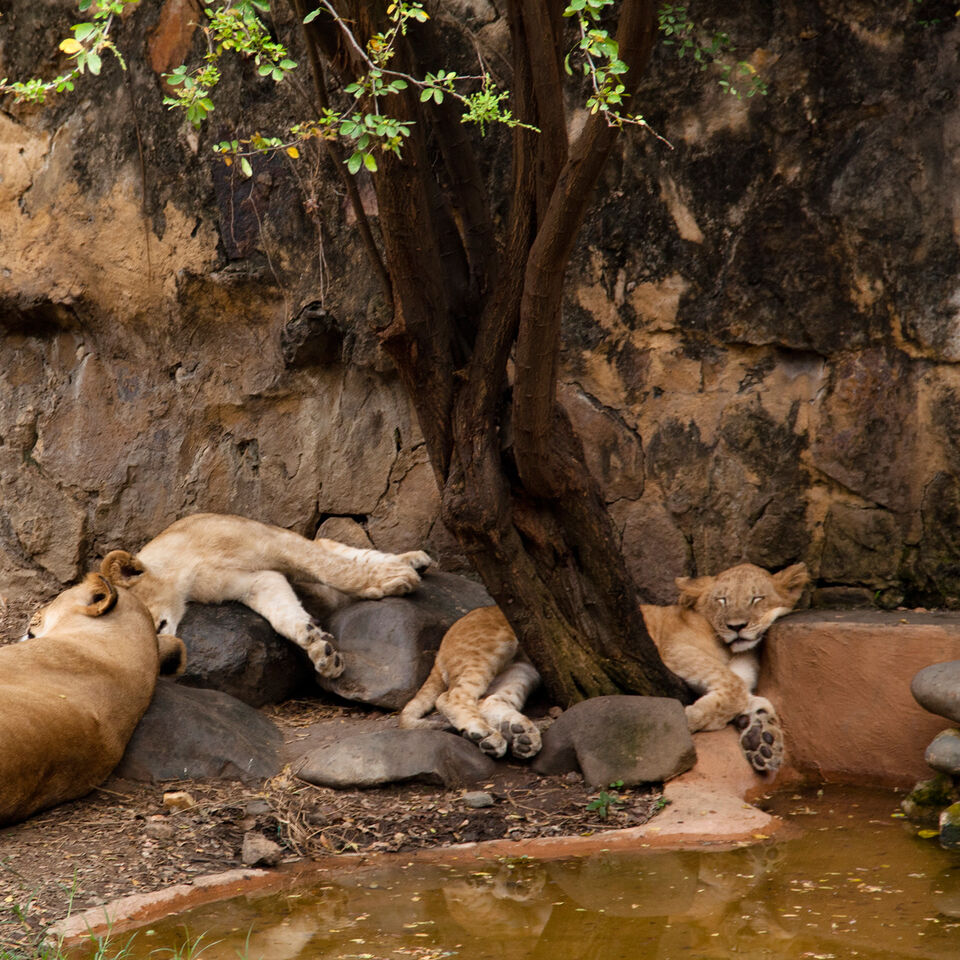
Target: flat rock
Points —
{"points": [[937, 689], [393, 756], [389, 645], [633, 739], [188, 733], [232, 649], [943, 754]]}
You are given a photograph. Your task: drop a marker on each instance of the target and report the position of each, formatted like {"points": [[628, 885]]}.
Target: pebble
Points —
{"points": [[157, 828], [478, 799], [258, 851]]}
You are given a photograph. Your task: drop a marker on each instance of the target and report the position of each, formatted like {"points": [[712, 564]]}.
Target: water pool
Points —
{"points": [[855, 882]]}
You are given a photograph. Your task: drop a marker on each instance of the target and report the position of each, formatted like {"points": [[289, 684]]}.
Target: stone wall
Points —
{"points": [[762, 345]]}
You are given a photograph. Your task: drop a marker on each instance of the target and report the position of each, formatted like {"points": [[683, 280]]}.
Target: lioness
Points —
{"points": [[212, 558], [71, 695], [709, 639]]}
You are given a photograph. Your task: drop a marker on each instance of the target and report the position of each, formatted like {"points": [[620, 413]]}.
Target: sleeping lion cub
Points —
{"points": [[709, 639], [212, 558], [478, 685]]}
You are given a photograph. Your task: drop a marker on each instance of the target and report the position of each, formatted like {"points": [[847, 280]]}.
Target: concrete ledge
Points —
{"points": [[841, 682]]}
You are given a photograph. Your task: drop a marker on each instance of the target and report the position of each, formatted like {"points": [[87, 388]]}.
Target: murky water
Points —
{"points": [[857, 883]]}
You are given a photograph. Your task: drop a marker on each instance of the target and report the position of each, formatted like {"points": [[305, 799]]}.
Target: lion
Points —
{"points": [[710, 638], [214, 558], [478, 686], [73, 692]]}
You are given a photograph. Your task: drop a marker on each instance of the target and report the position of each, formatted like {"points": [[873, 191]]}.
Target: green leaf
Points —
{"points": [[83, 30], [354, 162], [369, 162], [311, 16], [245, 167], [288, 64]]}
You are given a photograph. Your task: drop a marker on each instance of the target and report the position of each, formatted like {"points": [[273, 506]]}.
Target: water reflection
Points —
{"points": [[857, 884]]}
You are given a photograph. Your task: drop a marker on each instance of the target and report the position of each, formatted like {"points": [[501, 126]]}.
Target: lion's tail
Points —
{"points": [[413, 716]]}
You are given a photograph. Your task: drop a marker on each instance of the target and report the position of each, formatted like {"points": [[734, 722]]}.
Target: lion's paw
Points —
{"points": [[324, 656], [523, 737], [761, 739], [394, 580], [416, 559], [489, 741]]}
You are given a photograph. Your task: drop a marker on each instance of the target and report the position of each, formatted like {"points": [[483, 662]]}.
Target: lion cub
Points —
{"points": [[212, 558], [709, 639], [479, 687]]}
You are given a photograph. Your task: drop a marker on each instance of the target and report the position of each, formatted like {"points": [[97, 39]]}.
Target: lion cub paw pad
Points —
{"points": [[524, 738], [326, 661], [490, 743], [761, 740]]}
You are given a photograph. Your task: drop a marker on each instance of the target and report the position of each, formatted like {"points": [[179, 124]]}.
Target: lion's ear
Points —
{"points": [[691, 589], [102, 595], [121, 568], [791, 580], [173, 655]]}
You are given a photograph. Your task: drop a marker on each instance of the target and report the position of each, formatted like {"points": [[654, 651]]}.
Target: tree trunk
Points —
{"points": [[515, 491]]}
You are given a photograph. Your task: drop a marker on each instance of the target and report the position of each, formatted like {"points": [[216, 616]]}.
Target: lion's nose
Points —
{"points": [[737, 626]]}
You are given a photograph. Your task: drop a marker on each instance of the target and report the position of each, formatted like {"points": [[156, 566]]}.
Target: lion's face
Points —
{"points": [[92, 597], [742, 602]]}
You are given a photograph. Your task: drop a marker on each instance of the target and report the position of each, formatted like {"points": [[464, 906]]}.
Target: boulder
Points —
{"points": [[389, 645], [188, 733], [633, 739], [393, 756], [232, 649], [937, 689], [950, 827], [943, 754]]}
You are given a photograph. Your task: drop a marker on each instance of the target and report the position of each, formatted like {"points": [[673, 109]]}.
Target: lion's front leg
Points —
{"points": [[269, 594], [761, 736]]}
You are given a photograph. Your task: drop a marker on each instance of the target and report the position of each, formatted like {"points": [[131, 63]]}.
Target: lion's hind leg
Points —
{"points": [[502, 705], [761, 737], [460, 705], [366, 574]]}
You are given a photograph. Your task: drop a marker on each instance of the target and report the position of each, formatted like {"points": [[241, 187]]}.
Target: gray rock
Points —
{"points": [[389, 645], [393, 756], [188, 733], [478, 799], [258, 851], [937, 689], [633, 739], [943, 753], [950, 827], [232, 649]]}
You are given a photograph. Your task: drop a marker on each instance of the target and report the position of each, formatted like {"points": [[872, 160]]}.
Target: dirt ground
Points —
{"points": [[121, 839]]}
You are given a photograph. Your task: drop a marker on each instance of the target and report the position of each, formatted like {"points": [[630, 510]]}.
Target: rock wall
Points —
{"points": [[761, 335]]}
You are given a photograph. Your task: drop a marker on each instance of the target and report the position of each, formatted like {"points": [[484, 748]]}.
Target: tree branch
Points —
{"points": [[538, 342]]}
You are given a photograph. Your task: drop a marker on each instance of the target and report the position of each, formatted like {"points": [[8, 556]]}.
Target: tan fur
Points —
{"points": [[479, 686], [212, 558], [709, 639], [71, 695]]}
